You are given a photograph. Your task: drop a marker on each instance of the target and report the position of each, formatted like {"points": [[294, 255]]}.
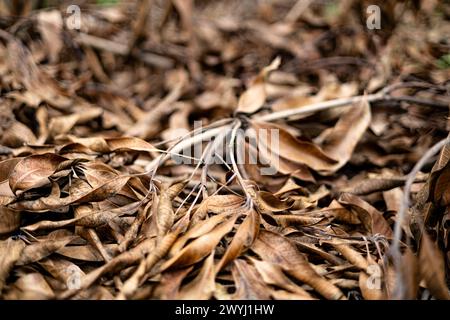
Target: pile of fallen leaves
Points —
{"points": [[93, 206]]}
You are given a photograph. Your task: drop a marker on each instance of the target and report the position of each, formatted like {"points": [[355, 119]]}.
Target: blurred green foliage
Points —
{"points": [[443, 62], [107, 2]]}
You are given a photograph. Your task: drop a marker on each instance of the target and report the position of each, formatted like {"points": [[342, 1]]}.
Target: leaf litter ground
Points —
{"points": [[95, 203]]}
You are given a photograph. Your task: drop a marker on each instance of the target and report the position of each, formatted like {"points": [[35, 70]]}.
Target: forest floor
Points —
{"points": [[197, 149]]}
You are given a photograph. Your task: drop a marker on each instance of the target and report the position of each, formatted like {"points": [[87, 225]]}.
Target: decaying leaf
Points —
{"points": [[254, 97], [203, 286], [10, 252], [188, 149], [277, 249], [9, 220], [243, 239], [341, 140], [200, 247], [432, 269], [33, 172], [248, 283]]}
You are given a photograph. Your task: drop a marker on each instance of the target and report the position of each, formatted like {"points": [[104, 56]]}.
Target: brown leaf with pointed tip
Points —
{"points": [[243, 239], [132, 232], [169, 286], [31, 286], [350, 254], [6, 168], [409, 277], [62, 124], [267, 201], [61, 269], [91, 220], [432, 270], [286, 220], [254, 97], [277, 249], [216, 204], [290, 186], [372, 219], [36, 81], [273, 275], [291, 148], [34, 171], [342, 139], [9, 220], [10, 252], [201, 228], [202, 287], [18, 135], [86, 252], [80, 191], [248, 282], [165, 215], [200, 247], [39, 250], [278, 163], [108, 145]]}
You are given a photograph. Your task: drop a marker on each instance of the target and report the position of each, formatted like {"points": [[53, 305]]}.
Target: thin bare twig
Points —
{"points": [[404, 206], [123, 50], [320, 106]]}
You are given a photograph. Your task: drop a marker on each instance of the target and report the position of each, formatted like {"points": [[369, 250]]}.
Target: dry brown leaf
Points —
{"points": [[169, 286], [38, 82], [350, 254], [31, 286], [10, 253], [50, 25], [372, 219], [342, 139], [276, 249], [243, 239], [86, 252], [431, 267], [409, 277], [9, 220], [293, 149], [91, 219], [165, 215], [266, 201], [254, 97], [198, 230], [33, 171], [63, 270], [200, 247], [37, 251], [273, 275], [202, 287], [248, 282]]}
